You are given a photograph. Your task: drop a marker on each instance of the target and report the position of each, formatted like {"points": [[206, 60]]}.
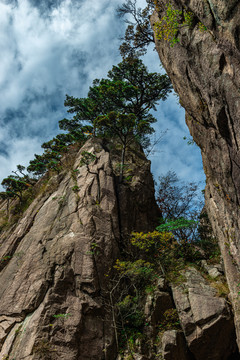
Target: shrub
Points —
{"points": [[138, 271], [171, 320], [159, 247], [176, 224], [168, 26]]}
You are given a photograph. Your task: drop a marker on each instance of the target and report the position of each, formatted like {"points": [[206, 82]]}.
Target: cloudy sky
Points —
{"points": [[50, 48]]}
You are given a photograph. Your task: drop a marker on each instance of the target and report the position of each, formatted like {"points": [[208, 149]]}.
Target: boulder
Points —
{"points": [[174, 346], [205, 318], [214, 270]]}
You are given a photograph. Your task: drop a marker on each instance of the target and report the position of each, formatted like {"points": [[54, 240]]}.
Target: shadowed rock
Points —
{"points": [[206, 319], [174, 346], [204, 70]]}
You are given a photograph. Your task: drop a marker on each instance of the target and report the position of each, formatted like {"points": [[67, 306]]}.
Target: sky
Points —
{"points": [[50, 48]]}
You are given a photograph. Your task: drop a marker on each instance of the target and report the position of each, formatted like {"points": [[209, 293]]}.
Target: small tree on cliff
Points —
{"points": [[14, 186], [129, 89], [180, 206], [119, 106], [139, 33]]}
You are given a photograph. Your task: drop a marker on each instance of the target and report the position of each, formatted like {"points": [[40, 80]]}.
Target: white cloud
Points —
{"points": [[45, 55], [44, 48], [42, 59]]}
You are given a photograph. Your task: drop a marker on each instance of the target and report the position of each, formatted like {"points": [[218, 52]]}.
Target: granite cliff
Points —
{"points": [[57, 265], [54, 261], [57, 258], [204, 67]]}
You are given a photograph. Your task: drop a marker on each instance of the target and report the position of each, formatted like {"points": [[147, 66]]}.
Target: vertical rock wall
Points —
{"points": [[205, 71], [54, 281]]}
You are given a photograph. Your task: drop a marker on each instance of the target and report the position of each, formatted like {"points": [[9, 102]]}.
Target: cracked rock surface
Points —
{"points": [[54, 288], [204, 68], [205, 317]]}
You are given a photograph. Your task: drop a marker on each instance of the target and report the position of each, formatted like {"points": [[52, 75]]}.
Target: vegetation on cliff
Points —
{"points": [[118, 108], [146, 257], [139, 33]]}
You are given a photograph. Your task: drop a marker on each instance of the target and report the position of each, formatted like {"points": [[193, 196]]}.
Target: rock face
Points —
{"points": [[188, 320], [57, 266], [56, 262], [206, 319], [174, 346], [204, 69]]}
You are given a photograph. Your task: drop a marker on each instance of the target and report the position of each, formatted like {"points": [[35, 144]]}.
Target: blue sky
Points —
{"points": [[50, 48]]}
